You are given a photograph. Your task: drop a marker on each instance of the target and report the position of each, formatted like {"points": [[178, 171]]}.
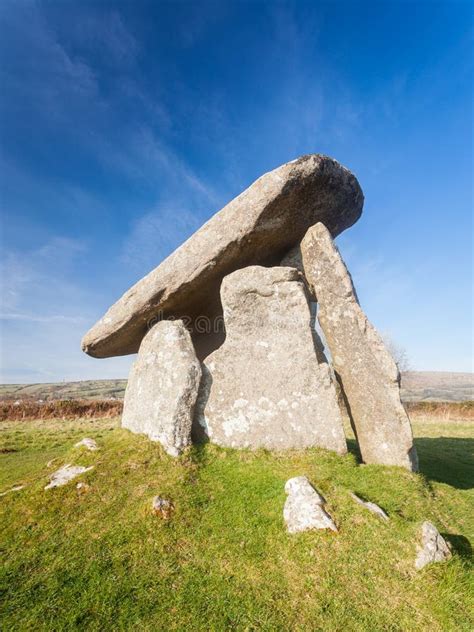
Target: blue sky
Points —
{"points": [[124, 126]]}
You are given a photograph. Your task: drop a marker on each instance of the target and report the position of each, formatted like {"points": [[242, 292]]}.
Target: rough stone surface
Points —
{"points": [[162, 387], [269, 385], [371, 507], [257, 227], [368, 373], [434, 547], [162, 507], [65, 474], [304, 507], [89, 444], [293, 259]]}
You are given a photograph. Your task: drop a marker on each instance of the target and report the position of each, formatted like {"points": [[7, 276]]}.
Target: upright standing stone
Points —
{"points": [[269, 384], [163, 386], [368, 373]]}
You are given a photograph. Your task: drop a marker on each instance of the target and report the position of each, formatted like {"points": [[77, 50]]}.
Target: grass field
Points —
{"points": [[98, 559]]}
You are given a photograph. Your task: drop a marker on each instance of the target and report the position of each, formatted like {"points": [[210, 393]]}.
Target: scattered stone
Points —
{"points": [[257, 227], [16, 488], [88, 443], [434, 547], [162, 507], [269, 384], [66, 474], [304, 507], [371, 507], [163, 386], [82, 488], [368, 374]]}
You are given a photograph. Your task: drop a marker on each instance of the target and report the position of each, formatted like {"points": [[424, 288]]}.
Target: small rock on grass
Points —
{"points": [[66, 474], [434, 547], [162, 507], [371, 507], [88, 443], [304, 507]]}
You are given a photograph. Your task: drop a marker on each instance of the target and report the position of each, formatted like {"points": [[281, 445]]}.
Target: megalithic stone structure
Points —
{"points": [[368, 374], [269, 385], [257, 227]]}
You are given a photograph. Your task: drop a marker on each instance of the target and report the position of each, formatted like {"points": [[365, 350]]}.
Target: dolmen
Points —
{"points": [[225, 330]]}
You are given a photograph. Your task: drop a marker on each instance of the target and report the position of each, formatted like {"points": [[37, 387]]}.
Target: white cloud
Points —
{"points": [[44, 314], [34, 318], [156, 234]]}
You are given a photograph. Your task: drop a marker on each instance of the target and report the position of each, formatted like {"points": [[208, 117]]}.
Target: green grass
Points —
{"points": [[101, 560]]}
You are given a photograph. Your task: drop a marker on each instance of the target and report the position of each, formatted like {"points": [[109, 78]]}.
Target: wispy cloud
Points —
{"points": [[39, 278], [52, 318], [105, 34], [156, 234], [45, 312]]}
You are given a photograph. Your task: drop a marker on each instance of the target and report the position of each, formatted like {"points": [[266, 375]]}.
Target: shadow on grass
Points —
{"points": [[447, 460], [353, 448], [460, 545]]}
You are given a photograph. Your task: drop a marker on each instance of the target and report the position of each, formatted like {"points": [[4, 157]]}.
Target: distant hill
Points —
{"points": [[417, 386], [89, 389], [425, 386]]}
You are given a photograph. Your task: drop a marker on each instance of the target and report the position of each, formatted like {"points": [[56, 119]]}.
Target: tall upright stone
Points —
{"points": [[367, 371], [269, 385], [162, 387]]}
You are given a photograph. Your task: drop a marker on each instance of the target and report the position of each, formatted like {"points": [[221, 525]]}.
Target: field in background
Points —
{"points": [[96, 558], [416, 386], [88, 389], [437, 386]]}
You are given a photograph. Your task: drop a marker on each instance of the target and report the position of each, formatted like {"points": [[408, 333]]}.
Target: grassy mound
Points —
{"points": [[98, 559]]}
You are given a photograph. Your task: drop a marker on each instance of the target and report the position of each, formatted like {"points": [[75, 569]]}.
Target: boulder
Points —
{"points": [[304, 507], [88, 443], [367, 372], [257, 227], [433, 547], [163, 386], [65, 474], [269, 384]]}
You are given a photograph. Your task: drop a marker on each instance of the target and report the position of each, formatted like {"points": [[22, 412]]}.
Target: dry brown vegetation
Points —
{"points": [[95, 409], [59, 409], [442, 410]]}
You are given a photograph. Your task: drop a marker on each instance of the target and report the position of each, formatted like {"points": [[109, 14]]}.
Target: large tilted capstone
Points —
{"points": [[257, 227], [163, 386], [368, 373], [269, 385]]}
